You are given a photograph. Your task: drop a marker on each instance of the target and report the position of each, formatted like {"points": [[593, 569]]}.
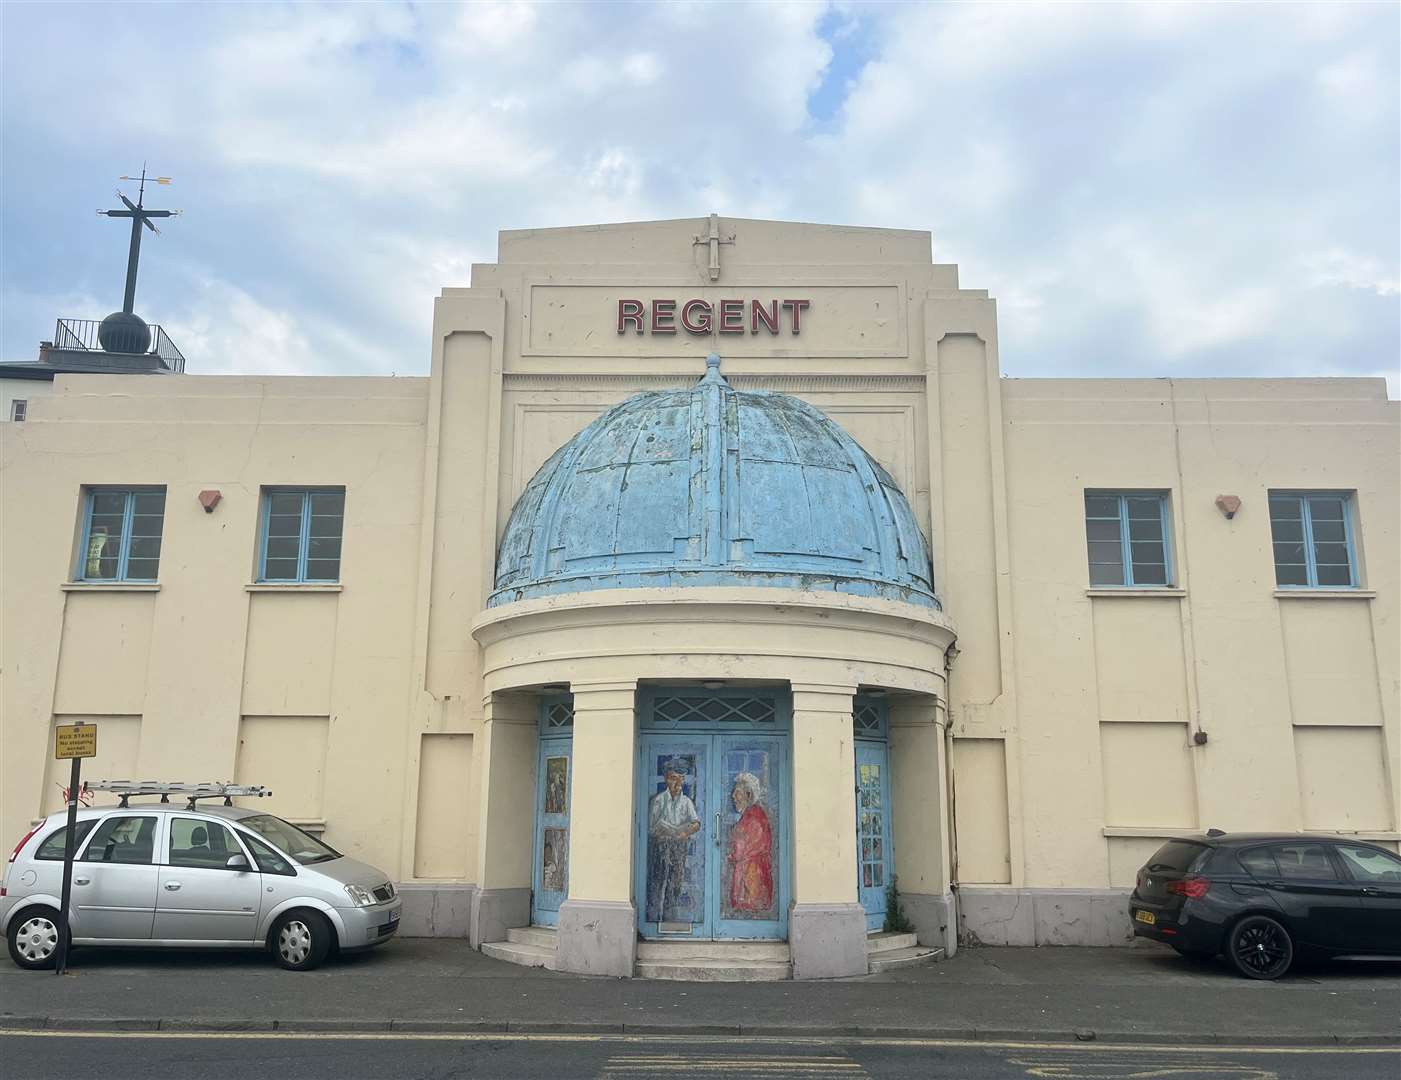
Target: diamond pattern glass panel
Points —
{"points": [[559, 714], [866, 719], [685, 708]]}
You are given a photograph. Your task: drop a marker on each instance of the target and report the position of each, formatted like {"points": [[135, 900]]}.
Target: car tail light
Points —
{"points": [[23, 840], [1194, 888]]}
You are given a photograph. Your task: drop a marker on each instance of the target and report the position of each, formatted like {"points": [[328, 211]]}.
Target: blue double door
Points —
{"points": [[873, 847], [712, 843]]}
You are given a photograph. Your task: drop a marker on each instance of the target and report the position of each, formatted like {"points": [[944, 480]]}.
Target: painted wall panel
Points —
{"points": [[118, 747], [980, 811], [291, 653], [1126, 855], [288, 755], [1343, 782], [1332, 662], [445, 837], [1139, 670], [108, 633], [1148, 779]]}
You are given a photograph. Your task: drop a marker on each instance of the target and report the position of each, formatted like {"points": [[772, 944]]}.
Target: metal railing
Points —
{"points": [[81, 334]]}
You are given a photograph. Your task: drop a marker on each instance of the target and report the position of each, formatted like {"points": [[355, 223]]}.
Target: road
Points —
{"points": [[61, 1056]]}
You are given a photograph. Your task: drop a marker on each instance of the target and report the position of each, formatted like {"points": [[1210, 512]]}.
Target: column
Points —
{"points": [[826, 928], [598, 922], [919, 791], [510, 729]]}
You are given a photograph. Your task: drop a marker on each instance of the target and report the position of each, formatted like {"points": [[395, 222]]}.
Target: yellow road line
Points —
{"points": [[693, 1040]]}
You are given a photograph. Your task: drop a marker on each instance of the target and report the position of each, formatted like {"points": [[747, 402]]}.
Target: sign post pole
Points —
{"points": [[75, 741]]}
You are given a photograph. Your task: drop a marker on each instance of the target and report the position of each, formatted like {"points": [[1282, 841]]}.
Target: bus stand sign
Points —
{"points": [[75, 741]]}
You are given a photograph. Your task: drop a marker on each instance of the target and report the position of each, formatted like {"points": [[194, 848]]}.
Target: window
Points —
{"points": [[1260, 863], [123, 840], [1127, 537], [204, 844], [1304, 861], [122, 534], [19, 409], [269, 861], [52, 847], [302, 535], [303, 847], [1312, 536], [1369, 864]]}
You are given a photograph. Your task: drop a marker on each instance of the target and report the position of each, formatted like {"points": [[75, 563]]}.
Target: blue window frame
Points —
{"points": [[1312, 539], [300, 536], [121, 534], [1127, 536]]}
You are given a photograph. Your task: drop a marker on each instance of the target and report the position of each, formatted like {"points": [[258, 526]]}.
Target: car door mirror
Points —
{"points": [[237, 862]]}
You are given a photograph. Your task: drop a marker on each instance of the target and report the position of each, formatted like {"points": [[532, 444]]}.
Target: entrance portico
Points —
{"points": [[793, 645]]}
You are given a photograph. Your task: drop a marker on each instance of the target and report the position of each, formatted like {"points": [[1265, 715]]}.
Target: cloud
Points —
{"points": [[1150, 189]]}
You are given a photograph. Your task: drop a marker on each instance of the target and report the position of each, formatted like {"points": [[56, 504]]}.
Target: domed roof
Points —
{"points": [[713, 486]]}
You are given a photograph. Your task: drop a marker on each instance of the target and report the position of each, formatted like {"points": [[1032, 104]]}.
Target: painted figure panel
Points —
{"points": [[751, 842], [675, 858], [557, 785], [554, 861]]}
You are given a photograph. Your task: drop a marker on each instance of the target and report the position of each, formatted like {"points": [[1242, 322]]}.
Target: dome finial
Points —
{"points": [[712, 369]]}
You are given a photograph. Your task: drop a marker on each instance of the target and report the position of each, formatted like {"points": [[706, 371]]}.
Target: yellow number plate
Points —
{"points": [[1145, 917]]}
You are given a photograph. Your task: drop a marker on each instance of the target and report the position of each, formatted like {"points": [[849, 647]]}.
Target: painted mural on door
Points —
{"points": [[873, 835], [713, 850], [553, 794]]}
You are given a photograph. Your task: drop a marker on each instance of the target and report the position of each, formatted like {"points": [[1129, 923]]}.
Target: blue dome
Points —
{"points": [[713, 486]]}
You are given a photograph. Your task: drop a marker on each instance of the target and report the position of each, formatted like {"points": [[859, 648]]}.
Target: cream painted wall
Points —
{"points": [[1072, 712]]}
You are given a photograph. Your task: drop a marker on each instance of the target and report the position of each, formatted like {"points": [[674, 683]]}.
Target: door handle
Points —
{"points": [[717, 828], [1367, 891], [172, 886], [82, 881]]}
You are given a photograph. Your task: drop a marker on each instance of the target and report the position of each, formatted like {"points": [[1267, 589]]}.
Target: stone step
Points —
{"points": [[899, 958], [885, 942], [670, 952], [716, 970], [523, 954], [544, 936]]}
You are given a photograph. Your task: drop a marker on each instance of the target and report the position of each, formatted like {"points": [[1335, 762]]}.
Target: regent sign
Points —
{"points": [[701, 316]]}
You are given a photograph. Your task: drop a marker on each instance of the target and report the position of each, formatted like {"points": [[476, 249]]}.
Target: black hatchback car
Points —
{"points": [[1263, 899]]}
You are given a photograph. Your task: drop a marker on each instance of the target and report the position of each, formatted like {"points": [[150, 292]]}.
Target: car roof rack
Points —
{"points": [[125, 789]]}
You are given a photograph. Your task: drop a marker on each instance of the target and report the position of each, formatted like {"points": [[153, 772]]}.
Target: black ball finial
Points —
{"points": [[124, 332]]}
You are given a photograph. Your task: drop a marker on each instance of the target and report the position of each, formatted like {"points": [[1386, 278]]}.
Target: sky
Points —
{"points": [[1147, 190]]}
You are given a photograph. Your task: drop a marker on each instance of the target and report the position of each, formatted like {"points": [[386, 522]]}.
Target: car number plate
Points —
{"points": [[393, 917], [1145, 917]]}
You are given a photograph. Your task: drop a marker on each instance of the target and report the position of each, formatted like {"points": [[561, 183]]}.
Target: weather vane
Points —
{"points": [[124, 331]]}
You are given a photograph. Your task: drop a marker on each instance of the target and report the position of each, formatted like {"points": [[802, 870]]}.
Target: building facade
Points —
{"points": [[712, 583]]}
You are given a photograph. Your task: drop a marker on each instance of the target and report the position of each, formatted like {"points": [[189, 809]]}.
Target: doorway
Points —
{"points": [[712, 813], [554, 795], [874, 857]]}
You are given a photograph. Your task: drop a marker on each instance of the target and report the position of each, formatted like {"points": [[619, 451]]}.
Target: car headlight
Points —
{"points": [[359, 896]]}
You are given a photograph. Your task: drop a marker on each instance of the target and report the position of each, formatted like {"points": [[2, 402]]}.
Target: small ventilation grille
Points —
{"points": [[685, 709]]}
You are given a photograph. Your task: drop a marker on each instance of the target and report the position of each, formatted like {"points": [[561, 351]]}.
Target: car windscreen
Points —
{"points": [[286, 837], [1178, 855]]}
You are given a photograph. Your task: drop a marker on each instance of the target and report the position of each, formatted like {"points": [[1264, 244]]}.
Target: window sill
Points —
{"points": [[312, 587], [1360, 834], [1130, 590], [1144, 833], [115, 586], [314, 826], [1303, 593]]}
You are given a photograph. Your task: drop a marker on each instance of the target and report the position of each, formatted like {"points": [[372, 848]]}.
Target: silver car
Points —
{"points": [[219, 876]]}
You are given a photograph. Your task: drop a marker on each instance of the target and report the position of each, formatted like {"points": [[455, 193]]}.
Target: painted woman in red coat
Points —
{"points": [[751, 851]]}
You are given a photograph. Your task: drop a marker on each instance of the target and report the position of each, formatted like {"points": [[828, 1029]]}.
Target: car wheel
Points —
{"points": [[300, 940], [34, 938], [1260, 948]]}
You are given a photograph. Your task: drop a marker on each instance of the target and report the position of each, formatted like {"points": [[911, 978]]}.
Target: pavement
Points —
{"points": [[1145, 994]]}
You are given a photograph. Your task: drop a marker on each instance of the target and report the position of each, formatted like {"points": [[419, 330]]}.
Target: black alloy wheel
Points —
{"points": [[1260, 948]]}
